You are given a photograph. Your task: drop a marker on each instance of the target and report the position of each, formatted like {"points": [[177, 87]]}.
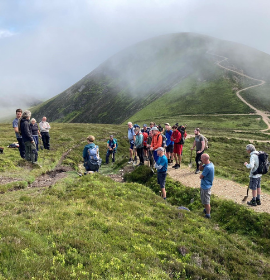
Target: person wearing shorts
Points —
{"points": [[161, 166], [254, 180], [177, 148], [207, 177], [131, 138]]}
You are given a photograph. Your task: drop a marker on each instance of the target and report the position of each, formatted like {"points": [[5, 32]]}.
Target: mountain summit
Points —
{"points": [[137, 76]]}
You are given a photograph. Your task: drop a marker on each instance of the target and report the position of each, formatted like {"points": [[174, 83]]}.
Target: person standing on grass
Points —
{"points": [[200, 145], [156, 142], [177, 149], [17, 133], [254, 180], [207, 177], [139, 144], [30, 146], [44, 130], [131, 138], [169, 143], [35, 131], [161, 165], [111, 145]]}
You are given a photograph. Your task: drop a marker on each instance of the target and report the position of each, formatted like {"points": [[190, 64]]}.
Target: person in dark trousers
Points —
{"points": [[18, 136], [254, 180], [111, 145], [161, 165], [199, 143], [30, 147], [35, 131], [44, 130], [139, 144], [207, 177]]}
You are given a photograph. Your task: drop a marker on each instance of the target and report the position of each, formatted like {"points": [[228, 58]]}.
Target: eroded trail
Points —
{"points": [[222, 188], [261, 82]]}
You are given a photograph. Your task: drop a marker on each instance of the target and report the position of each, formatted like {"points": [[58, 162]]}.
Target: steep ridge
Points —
{"points": [[137, 76]]}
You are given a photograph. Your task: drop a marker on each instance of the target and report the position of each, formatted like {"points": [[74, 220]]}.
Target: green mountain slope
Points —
{"points": [[142, 73]]}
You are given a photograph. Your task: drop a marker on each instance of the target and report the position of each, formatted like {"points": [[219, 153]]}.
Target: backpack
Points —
{"points": [[116, 144], [206, 142], [164, 139], [182, 130], [263, 163], [94, 161]]}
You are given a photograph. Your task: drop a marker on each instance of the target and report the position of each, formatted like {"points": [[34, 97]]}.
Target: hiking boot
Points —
{"points": [[258, 201], [252, 202], [177, 166], [130, 160], [174, 166], [197, 171], [207, 216]]}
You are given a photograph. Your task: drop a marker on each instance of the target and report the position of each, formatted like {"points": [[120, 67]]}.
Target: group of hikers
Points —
{"points": [[162, 146], [28, 132], [155, 144]]}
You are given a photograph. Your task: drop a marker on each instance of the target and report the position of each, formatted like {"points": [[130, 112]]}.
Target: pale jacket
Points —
{"points": [[253, 164]]}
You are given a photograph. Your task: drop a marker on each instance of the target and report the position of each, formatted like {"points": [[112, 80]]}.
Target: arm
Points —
{"points": [[251, 164], [194, 144], [159, 142]]}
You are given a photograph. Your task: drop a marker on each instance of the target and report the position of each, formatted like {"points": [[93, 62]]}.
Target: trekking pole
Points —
{"points": [[246, 196], [190, 162]]}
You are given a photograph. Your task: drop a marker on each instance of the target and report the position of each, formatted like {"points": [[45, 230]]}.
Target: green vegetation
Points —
{"points": [[91, 227], [176, 72]]}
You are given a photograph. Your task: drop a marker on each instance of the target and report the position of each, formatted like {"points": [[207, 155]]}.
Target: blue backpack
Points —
{"points": [[93, 160]]}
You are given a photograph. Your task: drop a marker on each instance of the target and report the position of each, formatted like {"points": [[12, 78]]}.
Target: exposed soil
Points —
{"points": [[51, 177], [222, 188]]}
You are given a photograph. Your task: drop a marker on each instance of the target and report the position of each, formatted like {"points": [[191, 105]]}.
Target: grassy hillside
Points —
{"points": [[142, 73], [91, 227]]}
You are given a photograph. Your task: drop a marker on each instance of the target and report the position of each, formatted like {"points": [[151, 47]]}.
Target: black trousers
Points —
{"points": [[198, 158], [140, 154], [21, 147], [46, 140]]}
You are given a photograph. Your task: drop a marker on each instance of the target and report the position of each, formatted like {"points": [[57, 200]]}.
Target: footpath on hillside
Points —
{"points": [[222, 188]]}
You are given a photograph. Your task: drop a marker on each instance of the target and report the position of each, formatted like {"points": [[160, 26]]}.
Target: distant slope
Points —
{"points": [[137, 76]]}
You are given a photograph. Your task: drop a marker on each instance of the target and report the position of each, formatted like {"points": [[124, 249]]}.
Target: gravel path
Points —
{"points": [[222, 188]]}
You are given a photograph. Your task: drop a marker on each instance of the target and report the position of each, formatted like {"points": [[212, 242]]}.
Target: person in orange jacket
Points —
{"points": [[156, 142]]}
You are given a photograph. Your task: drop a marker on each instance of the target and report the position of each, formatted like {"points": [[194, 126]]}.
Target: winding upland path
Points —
{"points": [[261, 82], [224, 188]]}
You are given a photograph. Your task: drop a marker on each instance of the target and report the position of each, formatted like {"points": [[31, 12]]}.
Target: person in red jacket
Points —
{"points": [[177, 149]]}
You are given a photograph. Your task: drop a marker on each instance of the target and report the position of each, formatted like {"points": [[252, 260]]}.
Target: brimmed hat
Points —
{"points": [[160, 149], [167, 124], [154, 128], [145, 125]]}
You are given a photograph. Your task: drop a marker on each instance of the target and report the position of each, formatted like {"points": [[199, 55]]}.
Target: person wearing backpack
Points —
{"points": [[177, 149], [18, 135], [131, 138], [254, 179], [199, 143], [91, 157], [111, 145]]}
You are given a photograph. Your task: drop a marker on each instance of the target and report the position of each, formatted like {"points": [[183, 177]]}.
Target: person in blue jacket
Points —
{"points": [[111, 145], [169, 143], [161, 166]]}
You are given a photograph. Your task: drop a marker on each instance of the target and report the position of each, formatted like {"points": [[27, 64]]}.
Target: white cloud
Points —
{"points": [[6, 33]]}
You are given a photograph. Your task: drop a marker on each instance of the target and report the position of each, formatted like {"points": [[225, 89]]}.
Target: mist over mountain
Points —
{"points": [[137, 76]]}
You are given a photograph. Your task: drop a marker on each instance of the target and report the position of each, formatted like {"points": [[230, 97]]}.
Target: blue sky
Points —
{"points": [[46, 46]]}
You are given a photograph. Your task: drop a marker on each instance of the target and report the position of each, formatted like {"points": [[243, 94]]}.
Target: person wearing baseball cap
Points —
{"points": [[156, 142], [161, 166]]}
